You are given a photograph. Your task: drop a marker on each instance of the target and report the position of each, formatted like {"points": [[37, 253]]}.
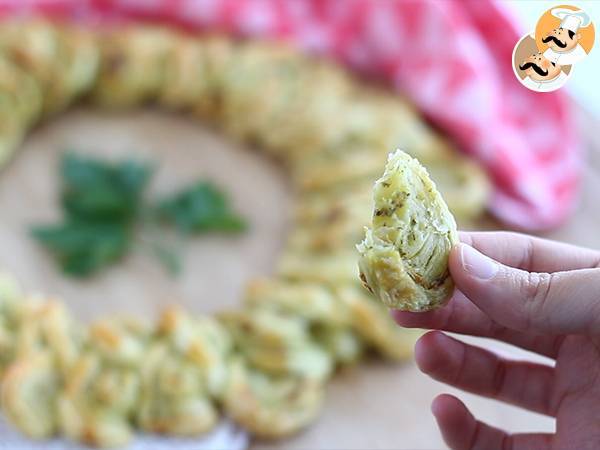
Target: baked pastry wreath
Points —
{"points": [[264, 365]]}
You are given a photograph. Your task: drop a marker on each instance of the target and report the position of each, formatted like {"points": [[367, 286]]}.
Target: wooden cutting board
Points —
{"points": [[376, 405]]}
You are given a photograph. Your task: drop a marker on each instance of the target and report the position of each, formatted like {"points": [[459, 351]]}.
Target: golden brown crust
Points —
{"points": [[132, 67], [271, 407], [28, 392]]}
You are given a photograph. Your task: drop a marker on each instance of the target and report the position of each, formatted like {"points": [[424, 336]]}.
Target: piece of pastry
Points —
{"points": [[98, 401], [323, 208], [404, 256], [329, 269], [133, 64], [186, 81], [247, 109], [220, 56], [20, 106], [47, 326], [10, 297], [306, 359], [76, 68], [271, 406], [320, 173], [203, 341], [28, 395], [335, 236], [372, 322], [343, 344], [277, 343], [174, 395], [62, 58], [310, 301]]}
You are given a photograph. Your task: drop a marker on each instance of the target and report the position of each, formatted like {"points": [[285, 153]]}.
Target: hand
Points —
{"points": [[536, 294]]}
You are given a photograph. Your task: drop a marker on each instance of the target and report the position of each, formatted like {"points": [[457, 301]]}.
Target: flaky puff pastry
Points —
{"points": [[98, 402], [200, 339], [175, 399], [29, 393], [313, 302], [20, 105], [404, 256], [182, 374], [328, 321], [133, 64], [269, 406], [282, 100], [277, 343], [194, 74], [329, 269], [372, 322], [46, 325], [325, 170], [62, 59], [10, 297], [342, 343]]}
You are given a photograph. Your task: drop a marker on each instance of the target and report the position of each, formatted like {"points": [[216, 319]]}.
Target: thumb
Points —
{"points": [[559, 303]]}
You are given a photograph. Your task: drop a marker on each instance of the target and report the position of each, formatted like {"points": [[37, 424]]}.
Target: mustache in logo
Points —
{"points": [[535, 67], [555, 40]]}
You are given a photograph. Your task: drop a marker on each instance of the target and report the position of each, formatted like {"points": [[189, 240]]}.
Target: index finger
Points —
{"points": [[530, 253]]}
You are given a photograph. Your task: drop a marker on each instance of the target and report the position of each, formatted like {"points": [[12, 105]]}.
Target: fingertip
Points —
{"points": [[427, 351], [462, 279], [453, 418], [449, 412], [497, 290], [445, 405], [469, 267]]}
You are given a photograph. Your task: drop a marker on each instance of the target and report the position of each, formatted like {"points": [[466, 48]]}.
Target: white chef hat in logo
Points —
{"points": [[571, 20]]}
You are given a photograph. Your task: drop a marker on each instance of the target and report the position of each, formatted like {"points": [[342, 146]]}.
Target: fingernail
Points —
{"points": [[476, 264]]}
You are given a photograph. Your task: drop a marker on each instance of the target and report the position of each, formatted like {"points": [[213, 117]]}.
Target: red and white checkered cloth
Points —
{"points": [[452, 58]]}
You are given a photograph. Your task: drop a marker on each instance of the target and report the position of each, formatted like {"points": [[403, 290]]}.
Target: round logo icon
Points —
{"points": [[544, 60]]}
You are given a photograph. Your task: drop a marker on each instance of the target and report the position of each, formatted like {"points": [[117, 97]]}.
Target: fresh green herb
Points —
{"points": [[103, 205], [82, 248], [95, 190], [201, 207]]}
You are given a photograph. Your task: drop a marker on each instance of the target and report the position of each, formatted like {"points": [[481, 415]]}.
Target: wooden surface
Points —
{"points": [[374, 406]]}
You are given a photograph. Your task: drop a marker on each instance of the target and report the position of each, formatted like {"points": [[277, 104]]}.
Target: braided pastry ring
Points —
{"points": [[330, 132]]}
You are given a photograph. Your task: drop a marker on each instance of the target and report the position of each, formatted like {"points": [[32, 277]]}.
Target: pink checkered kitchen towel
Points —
{"points": [[452, 58]]}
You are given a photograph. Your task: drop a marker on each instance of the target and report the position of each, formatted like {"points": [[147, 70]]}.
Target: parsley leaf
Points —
{"points": [[82, 248], [103, 204], [96, 190], [201, 207]]}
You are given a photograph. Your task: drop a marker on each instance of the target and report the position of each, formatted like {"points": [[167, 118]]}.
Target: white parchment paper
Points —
{"points": [[225, 437]]}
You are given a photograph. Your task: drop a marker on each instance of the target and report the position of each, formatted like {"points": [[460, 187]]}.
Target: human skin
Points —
{"points": [[536, 294]]}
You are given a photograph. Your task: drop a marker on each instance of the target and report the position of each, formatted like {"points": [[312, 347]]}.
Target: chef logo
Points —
{"points": [[543, 61]]}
